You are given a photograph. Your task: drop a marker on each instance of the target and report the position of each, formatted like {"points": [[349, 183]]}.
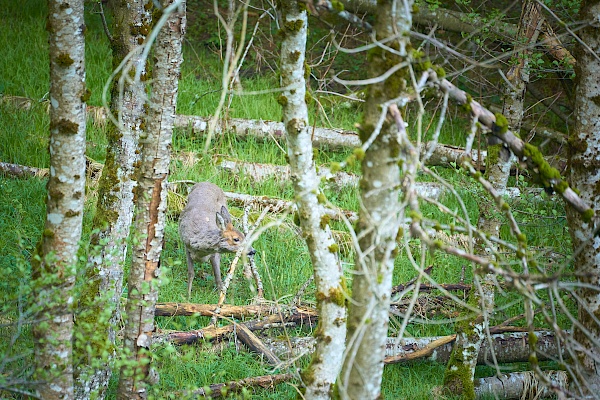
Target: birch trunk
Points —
{"points": [[471, 332], [151, 206], [98, 310], [584, 146], [53, 268], [320, 376], [380, 215]]}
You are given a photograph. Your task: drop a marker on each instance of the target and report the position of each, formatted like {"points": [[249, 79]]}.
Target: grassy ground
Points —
{"points": [[282, 256]]}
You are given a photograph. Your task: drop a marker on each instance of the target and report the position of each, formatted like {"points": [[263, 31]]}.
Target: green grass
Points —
{"points": [[282, 259]]}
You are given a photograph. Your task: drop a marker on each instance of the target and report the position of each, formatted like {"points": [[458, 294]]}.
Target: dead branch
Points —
{"points": [[255, 344], [295, 316], [420, 353], [221, 389]]}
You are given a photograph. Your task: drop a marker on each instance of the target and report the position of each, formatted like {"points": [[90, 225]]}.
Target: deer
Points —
{"points": [[206, 230]]}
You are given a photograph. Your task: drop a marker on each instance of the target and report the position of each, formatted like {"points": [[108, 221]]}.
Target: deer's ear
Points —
{"points": [[221, 223], [225, 214]]}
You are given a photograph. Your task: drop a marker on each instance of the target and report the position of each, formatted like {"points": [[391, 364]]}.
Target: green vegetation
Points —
{"points": [[282, 257]]}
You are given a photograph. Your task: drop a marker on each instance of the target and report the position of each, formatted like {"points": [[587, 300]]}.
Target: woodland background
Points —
{"points": [[438, 286]]}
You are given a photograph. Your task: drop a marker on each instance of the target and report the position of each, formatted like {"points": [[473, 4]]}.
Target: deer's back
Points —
{"points": [[197, 224]]}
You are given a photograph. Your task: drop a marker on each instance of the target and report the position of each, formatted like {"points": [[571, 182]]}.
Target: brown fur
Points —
{"points": [[206, 229]]}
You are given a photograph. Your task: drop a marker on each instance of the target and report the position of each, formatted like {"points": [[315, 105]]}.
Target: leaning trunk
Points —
{"points": [[380, 214], [53, 268], [321, 374], [98, 311], [584, 146], [151, 206]]}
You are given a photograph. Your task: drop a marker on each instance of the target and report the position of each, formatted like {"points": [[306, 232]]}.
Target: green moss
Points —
{"points": [[587, 215], [549, 176], [308, 98], [306, 71], [321, 198], [65, 127], [458, 379], [493, 154], [337, 6], [282, 100], [71, 213], [294, 56], [501, 124], [334, 248], [522, 239], [335, 167], [64, 60], [359, 153], [325, 219], [293, 26], [86, 95], [467, 105], [577, 145], [440, 72], [49, 233]]}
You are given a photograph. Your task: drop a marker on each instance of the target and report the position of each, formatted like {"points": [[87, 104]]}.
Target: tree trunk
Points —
{"points": [[319, 377], [471, 332], [380, 215], [98, 309], [151, 205], [53, 267], [584, 149]]}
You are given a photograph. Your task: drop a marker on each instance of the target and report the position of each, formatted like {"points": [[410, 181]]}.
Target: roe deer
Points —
{"points": [[206, 229]]}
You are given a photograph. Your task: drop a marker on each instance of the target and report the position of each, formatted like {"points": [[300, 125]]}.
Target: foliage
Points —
{"points": [[282, 258]]}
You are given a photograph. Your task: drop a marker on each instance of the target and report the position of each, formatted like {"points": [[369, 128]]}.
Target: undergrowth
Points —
{"points": [[282, 256]]}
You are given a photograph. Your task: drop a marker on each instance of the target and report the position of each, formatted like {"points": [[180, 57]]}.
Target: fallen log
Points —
{"points": [[22, 171], [207, 310], [507, 347], [295, 316], [224, 389], [282, 173], [519, 385]]}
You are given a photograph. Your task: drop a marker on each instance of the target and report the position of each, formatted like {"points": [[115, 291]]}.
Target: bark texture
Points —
{"points": [[99, 310], [320, 376], [584, 149], [381, 213], [53, 267], [151, 205]]}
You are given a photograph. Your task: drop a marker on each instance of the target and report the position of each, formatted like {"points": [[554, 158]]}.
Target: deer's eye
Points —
{"points": [[236, 240]]}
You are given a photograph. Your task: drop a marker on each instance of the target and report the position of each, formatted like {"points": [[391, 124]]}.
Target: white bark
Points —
{"points": [[151, 204], [381, 214], [54, 272], [320, 376], [584, 175], [519, 385], [114, 208], [507, 347]]}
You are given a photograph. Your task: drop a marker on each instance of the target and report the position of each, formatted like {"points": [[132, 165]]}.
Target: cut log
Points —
{"points": [[519, 385]]}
